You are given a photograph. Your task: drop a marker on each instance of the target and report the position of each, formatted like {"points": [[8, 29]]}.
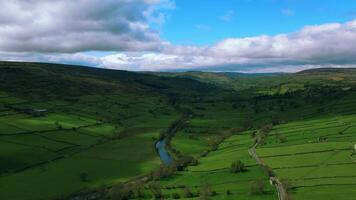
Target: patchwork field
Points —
{"points": [[314, 156], [68, 130], [62, 151], [214, 170]]}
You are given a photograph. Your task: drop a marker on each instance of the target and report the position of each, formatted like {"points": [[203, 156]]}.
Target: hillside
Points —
{"points": [[73, 132]]}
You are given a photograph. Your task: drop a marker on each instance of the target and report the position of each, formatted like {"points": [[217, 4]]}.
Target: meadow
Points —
{"points": [[46, 156], [314, 157], [69, 130]]}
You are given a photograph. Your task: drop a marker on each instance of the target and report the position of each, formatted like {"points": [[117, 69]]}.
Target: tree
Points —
{"points": [[281, 138], [187, 193], [84, 177], [267, 128], [175, 196], [121, 192], [58, 125], [237, 166], [137, 189], [257, 187], [156, 190]]}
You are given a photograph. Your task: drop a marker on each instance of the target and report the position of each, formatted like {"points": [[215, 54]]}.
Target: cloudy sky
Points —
{"points": [[168, 35]]}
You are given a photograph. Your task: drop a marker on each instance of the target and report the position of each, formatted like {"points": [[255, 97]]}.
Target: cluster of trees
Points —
{"points": [[154, 190], [281, 138], [237, 166], [264, 133], [123, 191]]}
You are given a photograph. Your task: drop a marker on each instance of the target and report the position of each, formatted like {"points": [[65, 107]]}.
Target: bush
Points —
{"points": [[267, 128], [121, 192], [84, 177], [175, 196], [156, 190], [237, 166], [137, 189], [58, 125], [187, 193], [257, 187], [194, 162], [281, 138], [214, 193], [228, 192]]}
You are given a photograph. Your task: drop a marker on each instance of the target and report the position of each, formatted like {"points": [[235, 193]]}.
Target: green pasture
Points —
{"points": [[190, 144], [214, 171], [315, 156], [105, 164]]}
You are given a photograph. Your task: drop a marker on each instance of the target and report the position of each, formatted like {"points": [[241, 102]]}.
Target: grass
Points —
{"points": [[104, 123], [214, 169], [105, 164], [315, 157], [189, 144]]}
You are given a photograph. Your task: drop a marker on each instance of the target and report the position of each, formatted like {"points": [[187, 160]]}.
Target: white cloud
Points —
{"points": [[319, 45], [62, 31], [80, 25]]}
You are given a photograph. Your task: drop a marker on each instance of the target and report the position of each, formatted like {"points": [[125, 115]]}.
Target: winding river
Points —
{"points": [[162, 151]]}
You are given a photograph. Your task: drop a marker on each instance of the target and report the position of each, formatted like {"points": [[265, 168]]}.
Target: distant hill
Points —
{"points": [[44, 80]]}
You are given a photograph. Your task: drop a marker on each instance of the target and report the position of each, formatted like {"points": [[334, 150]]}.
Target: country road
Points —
{"points": [[282, 192]]}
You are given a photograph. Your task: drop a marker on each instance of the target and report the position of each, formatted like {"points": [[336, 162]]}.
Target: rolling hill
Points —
{"points": [[74, 132]]}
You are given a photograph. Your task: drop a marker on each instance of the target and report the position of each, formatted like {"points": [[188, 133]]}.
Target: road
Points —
{"points": [[281, 190]]}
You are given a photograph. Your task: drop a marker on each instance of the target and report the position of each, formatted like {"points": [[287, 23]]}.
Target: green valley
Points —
{"points": [[74, 132]]}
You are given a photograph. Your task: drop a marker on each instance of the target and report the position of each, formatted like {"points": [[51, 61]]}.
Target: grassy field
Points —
{"points": [[314, 156], [214, 170], [45, 156], [100, 126]]}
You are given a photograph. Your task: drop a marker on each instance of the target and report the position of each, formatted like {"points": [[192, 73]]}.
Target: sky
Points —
{"points": [[181, 35]]}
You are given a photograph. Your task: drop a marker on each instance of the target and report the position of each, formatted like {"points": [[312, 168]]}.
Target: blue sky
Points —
{"points": [[180, 35], [201, 22]]}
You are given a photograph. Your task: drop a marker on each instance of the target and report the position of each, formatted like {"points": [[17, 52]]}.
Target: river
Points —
{"points": [[162, 151]]}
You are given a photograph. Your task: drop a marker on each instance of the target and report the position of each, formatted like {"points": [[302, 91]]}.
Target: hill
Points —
{"points": [[74, 132]]}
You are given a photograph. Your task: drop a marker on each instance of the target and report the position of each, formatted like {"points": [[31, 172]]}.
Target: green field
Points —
{"points": [[315, 157], [68, 130], [214, 170]]}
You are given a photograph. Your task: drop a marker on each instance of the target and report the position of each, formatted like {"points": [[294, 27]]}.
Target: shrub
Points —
{"points": [[138, 189], [58, 125], [83, 177], [194, 162], [237, 166], [175, 196], [267, 128], [156, 190], [187, 193], [121, 192], [281, 138], [214, 193], [228, 192]]}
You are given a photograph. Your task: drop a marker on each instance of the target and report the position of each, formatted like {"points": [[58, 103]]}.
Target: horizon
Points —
{"points": [[177, 71], [248, 36]]}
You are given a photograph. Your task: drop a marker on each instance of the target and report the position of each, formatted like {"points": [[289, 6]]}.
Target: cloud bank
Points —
{"points": [[320, 45], [69, 26], [64, 30]]}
